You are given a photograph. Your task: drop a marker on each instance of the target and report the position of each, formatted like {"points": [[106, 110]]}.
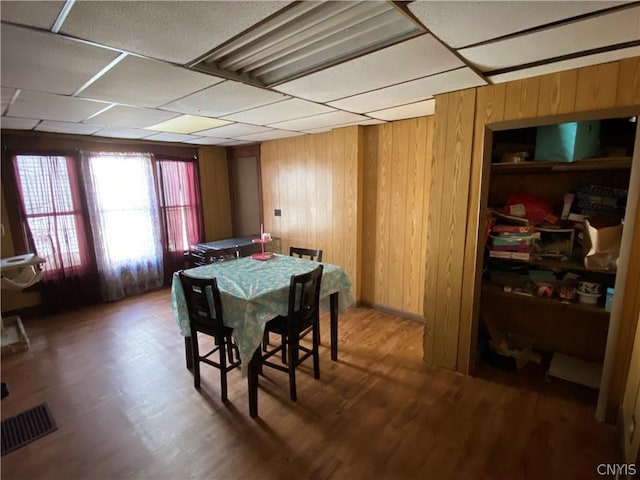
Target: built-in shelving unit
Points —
{"points": [[557, 326], [589, 164]]}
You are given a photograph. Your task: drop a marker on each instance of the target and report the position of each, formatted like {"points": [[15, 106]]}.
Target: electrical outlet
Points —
{"points": [[277, 212]]}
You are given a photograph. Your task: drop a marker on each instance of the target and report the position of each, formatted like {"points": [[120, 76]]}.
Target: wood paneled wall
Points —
{"points": [[629, 388], [214, 186], [316, 182], [446, 225], [459, 146], [396, 194]]}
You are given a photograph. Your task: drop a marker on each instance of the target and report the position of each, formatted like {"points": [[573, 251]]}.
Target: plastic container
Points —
{"points": [[591, 298], [608, 303]]}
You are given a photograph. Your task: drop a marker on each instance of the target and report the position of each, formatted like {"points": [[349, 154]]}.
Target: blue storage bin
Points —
{"points": [[567, 142]]}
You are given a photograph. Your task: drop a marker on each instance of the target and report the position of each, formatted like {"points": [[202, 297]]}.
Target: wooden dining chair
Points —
{"points": [[308, 253], [204, 308], [303, 314]]}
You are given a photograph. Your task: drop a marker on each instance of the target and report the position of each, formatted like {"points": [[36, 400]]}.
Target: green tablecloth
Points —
{"points": [[253, 292]]}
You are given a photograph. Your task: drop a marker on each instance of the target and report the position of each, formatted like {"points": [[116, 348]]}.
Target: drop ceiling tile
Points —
{"points": [[122, 132], [601, 31], [233, 143], [464, 23], [34, 14], [411, 92], [46, 106], [18, 123], [146, 83], [395, 64], [7, 95], [67, 127], [188, 124], [170, 137], [567, 65], [328, 129], [235, 130], [223, 99], [46, 62], [419, 109], [280, 112], [318, 121], [272, 135], [175, 31], [131, 116], [207, 141]]}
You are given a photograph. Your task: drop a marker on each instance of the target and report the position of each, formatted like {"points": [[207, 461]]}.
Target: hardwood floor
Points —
{"points": [[115, 379]]}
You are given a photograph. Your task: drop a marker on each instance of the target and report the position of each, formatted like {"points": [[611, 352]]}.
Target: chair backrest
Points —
{"points": [[304, 296], [306, 252], [203, 301], [220, 255], [246, 250]]}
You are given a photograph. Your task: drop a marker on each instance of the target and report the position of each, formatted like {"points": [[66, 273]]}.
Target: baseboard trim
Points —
{"points": [[392, 311]]}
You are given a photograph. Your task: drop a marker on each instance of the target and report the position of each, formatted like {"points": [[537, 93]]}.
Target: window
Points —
{"points": [[180, 203], [48, 190]]}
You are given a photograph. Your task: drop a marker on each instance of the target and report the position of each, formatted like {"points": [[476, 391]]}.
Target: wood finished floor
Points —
{"points": [[125, 406]]}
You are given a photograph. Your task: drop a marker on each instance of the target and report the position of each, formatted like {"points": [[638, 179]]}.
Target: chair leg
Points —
{"points": [[265, 341], [229, 342], [293, 363], [315, 338], [196, 359], [283, 342], [223, 369]]}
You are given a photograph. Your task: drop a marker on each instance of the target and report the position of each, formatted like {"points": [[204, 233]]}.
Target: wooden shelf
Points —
{"points": [[555, 265], [586, 307], [540, 166]]}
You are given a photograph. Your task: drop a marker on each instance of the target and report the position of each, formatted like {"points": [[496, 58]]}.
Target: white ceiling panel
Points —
{"points": [[46, 62], [233, 143], [567, 64], [207, 141], [463, 23], [280, 112], [235, 130], [7, 95], [146, 83], [318, 121], [68, 127], [601, 31], [175, 31], [328, 129], [223, 99], [170, 137], [34, 14], [46, 106], [131, 117], [410, 92], [18, 123], [419, 109], [122, 132], [389, 66], [272, 135]]}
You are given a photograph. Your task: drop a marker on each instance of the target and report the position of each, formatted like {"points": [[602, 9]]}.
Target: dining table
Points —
{"points": [[255, 291]]}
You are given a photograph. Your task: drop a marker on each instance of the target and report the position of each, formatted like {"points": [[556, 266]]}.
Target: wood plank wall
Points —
{"points": [[214, 186], [446, 225], [315, 180], [397, 169], [590, 90], [629, 390]]}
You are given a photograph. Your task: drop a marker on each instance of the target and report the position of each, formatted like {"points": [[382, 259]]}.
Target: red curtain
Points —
{"points": [[181, 210], [55, 218]]}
